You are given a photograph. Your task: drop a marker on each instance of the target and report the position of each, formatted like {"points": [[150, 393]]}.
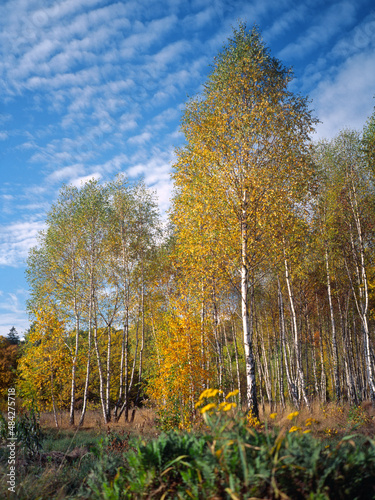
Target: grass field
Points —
{"points": [[223, 457]]}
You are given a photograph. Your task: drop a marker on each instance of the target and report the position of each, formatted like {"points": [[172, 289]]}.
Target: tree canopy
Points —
{"points": [[263, 284]]}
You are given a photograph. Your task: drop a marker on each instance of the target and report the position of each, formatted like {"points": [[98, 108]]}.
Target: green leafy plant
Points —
{"points": [[170, 417], [358, 416], [27, 431], [230, 459]]}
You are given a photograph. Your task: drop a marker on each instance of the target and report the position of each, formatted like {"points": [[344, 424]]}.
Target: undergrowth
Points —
{"points": [[229, 459], [230, 455], [26, 431]]}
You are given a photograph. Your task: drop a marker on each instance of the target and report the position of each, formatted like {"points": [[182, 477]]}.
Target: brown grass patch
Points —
{"points": [[325, 420], [144, 422]]}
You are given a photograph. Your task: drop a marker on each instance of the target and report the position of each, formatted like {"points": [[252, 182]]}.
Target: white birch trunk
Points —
{"points": [[74, 368], [247, 325], [141, 349], [237, 365], [100, 369], [291, 384], [301, 377], [333, 332]]}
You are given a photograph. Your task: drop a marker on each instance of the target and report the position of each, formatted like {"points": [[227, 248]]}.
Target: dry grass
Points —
{"points": [[324, 420], [67, 457], [51, 477], [144, 422]]}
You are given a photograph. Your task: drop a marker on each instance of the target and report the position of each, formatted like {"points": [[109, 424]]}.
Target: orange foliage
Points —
{"points": [[180, 374], [46, 364], [8, 365]]}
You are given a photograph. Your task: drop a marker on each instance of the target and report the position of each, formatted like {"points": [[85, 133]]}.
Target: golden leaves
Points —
{"points": [[46, 363]]}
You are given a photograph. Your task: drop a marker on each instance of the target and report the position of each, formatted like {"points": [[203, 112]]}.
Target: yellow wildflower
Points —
{"points": [[208, 407], [273, 416], [210, 393], [252, 421], [205, 394], [310, 421], [229, 406], [292, 415], [294, 429], [233, 393]]}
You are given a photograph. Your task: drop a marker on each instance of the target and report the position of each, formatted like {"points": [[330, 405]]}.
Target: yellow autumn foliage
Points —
{"points": [[180, 373], [45, 367]]}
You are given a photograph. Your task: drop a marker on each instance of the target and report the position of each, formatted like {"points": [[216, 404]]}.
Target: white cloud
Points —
{"points": [[128, 122], [137, 43], [80, 181], [284, 22], [140, 139], [201, 18], [170, 53], [362, 37], [156, 174], [65, 174], [331, 22], [100, 85], [44, 16], [112, 166], [12, 310], [81, 78], [16, 239], [163, 119], [346, 99]]}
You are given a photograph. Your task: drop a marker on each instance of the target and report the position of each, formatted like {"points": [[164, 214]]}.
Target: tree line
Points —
{"points": [[262, 280]]}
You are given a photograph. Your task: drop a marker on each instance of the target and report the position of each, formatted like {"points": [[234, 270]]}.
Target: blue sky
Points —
{"points": [[92, 88]]}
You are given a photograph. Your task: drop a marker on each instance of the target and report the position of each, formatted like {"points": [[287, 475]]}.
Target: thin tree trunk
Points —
{"points": [[88, 364], [87, 379], [335, 367], [351, 392], [301, 377], [108, 375], [237, 364], [100, 370], [291, 385], [142, 347], [313, 355], [363, 300], [128, 388], [125, 331], [122, 361], [266, 373], [362, 309], [229, 358], [219, 355], [205, 383], [53, 397], [323, 380], [247, 322], [74, 368]]}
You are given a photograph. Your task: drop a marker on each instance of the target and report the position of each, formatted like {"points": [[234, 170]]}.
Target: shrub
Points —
{"points": [[27, 429], [229, 459]]}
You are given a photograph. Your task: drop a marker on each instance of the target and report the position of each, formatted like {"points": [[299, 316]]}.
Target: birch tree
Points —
{"points": [[347, 213], [246, 162], [54, 271], [46, 361]]}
